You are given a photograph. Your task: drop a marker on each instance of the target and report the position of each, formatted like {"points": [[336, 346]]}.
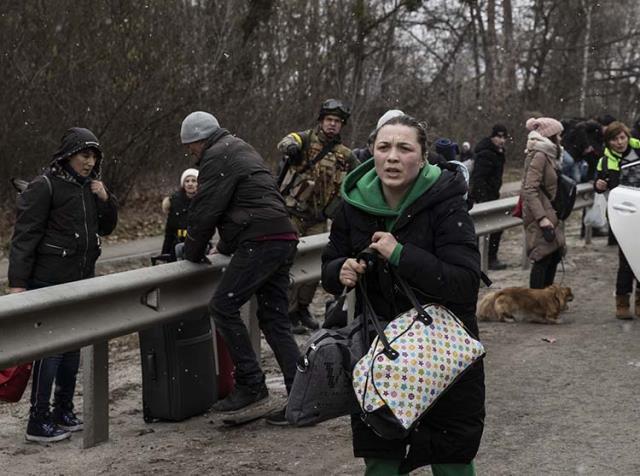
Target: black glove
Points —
{"points": [[293, 153], [549, 234]]}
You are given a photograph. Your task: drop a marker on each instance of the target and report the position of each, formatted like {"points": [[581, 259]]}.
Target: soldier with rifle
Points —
{"points": [[315, 163]]}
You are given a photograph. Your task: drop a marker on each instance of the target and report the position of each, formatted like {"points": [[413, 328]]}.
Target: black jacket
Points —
{"points": [[486, 177], [237, 194], [441, 262], [176, 227], [57, 232]]}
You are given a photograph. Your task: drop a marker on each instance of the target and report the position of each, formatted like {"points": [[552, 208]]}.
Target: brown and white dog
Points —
{"points": [[524, 304]]}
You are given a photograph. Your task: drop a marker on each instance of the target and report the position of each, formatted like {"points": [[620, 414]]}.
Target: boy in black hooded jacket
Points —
{"points": [[60, 218]]}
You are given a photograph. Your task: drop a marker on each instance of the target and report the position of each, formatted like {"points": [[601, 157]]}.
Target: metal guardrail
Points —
{"points": [[90, 312], [490, 217]]}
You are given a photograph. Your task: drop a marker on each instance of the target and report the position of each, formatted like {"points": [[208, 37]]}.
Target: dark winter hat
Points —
{"points": [[605, 119], [198, 125], [499, 130], [447, 148], [74, 140]]}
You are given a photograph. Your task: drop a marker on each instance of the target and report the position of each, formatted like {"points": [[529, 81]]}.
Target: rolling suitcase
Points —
{"points": [[178, 369]]}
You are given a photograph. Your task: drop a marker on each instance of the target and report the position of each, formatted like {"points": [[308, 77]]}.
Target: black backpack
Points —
{"points": [[565, 198]]}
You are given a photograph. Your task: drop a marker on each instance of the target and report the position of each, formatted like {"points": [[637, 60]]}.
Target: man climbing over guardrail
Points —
{"points": [[237, 194]]}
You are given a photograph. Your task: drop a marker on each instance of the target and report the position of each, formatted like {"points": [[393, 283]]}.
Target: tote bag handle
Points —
{"points": [[369, 312]]}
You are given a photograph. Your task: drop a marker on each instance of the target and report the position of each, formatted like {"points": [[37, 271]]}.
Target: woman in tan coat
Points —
{"points": [[544, 235]]}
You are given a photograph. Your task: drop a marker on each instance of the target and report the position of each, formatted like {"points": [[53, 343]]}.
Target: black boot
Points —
{"points": [[296, 325], [495, 264], [306, 319], [242, 397]]}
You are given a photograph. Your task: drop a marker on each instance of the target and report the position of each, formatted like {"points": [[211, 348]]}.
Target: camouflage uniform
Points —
{"points": [[308, 191]]}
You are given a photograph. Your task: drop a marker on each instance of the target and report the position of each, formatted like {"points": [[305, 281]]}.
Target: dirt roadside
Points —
{"points": [[562, 408]]}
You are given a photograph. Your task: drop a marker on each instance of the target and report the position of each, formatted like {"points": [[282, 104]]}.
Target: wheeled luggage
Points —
{"points": [[178, 368]]}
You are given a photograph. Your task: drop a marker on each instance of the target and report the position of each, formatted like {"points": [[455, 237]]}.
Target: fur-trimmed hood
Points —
{"points": [[536, 142], [73, 141]]}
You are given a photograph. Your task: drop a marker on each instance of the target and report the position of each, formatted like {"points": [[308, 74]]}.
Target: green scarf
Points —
{"points": [[362, 188]]}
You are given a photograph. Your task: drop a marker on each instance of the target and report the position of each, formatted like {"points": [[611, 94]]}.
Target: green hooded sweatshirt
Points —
{"points": [[362, 188]]}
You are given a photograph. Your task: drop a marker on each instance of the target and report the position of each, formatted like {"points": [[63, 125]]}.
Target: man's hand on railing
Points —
{"points": [[16, 290]]}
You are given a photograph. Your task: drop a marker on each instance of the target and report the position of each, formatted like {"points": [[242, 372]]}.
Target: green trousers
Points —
{"points": [[389, 467]]}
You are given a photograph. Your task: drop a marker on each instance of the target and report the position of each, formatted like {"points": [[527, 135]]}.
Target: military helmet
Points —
{"points": [[334, 107]]}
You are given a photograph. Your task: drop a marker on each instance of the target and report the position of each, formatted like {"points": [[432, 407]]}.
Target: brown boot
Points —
{"points": [[622, 307]]}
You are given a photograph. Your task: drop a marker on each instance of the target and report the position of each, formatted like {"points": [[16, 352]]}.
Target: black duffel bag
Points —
{"points": [[322, 388]]}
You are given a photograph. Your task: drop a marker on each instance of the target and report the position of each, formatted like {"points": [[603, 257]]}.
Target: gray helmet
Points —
{"points": [[197, 126], [334, 107]]}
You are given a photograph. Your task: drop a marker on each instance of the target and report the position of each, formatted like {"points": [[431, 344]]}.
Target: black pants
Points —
{"points": [[260, 268], [625, 278], [494, 244], [63, 368], [543, 272]]}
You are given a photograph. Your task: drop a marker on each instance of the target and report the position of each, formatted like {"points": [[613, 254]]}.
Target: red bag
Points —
{"points": [[13, 381], [517, 210]]}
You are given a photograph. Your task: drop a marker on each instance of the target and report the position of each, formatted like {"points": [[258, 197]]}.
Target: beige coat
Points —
{"points": [[540, 165]]}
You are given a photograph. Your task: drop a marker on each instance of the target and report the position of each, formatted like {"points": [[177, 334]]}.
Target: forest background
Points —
{"points": [[131, 71]]}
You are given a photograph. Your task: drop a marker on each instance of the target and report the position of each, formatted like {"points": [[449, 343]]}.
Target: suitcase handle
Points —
{"points": [[150, 361]]}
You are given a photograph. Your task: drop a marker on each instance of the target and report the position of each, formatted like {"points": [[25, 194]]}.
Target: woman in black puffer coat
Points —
{"points": [[177, 207], [414, 215]]}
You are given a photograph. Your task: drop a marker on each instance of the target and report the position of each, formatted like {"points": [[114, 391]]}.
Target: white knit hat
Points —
{"points": [[197, 126], [188, 173], [387, 116]]}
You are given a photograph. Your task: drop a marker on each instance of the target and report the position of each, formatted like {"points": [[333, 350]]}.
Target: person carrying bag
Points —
{"points": [[414, 216]]}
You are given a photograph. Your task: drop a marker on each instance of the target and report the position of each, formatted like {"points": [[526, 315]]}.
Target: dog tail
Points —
{"points": [[486, 308]]}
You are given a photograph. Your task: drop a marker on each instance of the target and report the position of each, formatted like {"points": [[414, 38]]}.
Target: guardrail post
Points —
{"points": [[483, 245], [95, 378]]}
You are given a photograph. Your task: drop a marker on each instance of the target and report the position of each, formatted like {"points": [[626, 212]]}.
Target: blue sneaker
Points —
{"points": [[42, 430], [67, 420]]}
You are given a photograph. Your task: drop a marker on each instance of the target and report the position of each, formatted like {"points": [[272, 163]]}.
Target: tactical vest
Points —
{"points": [[309, 190]]}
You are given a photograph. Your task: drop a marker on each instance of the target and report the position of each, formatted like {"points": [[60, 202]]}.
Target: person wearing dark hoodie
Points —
{"points": [[414, 215], [60, 218], [486, 180], [238, 196]]}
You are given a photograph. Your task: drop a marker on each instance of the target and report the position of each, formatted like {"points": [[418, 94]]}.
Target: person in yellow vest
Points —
{"points": [[621, 150], [314, 165]]}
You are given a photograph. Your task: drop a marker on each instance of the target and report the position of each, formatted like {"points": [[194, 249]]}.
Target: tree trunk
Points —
{"points": [[490, 54], [587, 6], [509, 53]]}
